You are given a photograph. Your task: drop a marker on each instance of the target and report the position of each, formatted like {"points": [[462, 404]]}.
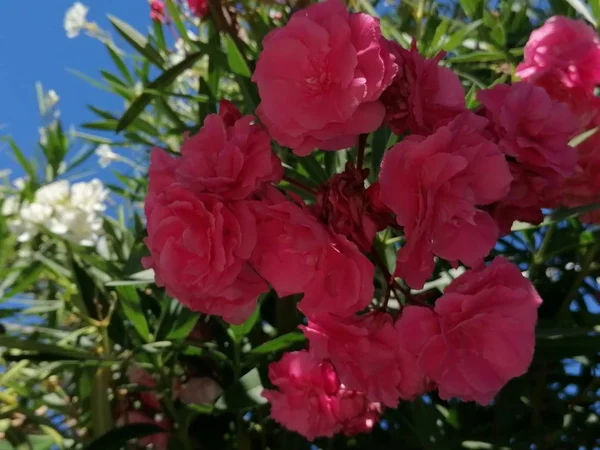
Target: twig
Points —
{"points": [[362, 142], [299, 185], [393, 284]]}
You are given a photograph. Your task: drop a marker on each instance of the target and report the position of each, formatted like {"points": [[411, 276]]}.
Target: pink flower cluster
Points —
{"points": [[221, 232], [563, 58]]}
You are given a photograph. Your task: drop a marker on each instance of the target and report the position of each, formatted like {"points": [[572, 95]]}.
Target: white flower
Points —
{"points": [[53, 193], [75, 19], [10, 206], [20, 183], [89, 196], [106, 155], [51, 99], [43, 135], [71, 211]]}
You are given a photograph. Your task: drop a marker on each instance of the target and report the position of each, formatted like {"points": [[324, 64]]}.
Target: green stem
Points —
{"points": [[540, 256], [581, 275]]}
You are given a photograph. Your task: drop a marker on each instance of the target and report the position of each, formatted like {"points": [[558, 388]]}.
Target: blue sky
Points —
{"points": [[35, 47]]}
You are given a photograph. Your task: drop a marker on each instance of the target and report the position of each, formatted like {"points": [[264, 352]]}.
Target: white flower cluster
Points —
{"points": [[76, 19], [73, 212]]}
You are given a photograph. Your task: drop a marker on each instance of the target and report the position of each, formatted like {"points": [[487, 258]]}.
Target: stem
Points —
{"points": [[362, 142], [419, 18], [299, 185], [581, 275], [539, 257], [393, 284]]}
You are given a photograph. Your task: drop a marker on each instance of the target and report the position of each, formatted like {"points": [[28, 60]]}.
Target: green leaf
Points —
{"points": [[314, 168], [183, 325], [175, 16], [22, 160], [458, 37], [471, 97], [165, 79], [279, 343], [159, 35], [46, 349], [118, 437], [238, 332], [595, 6], [245, 393], [235, 58], [129, 300], [28, 276], [562, 345], [378, 147], [471, 7], [137, 40], [477, 57], [101, 416], [565, 213], [582, 9]]}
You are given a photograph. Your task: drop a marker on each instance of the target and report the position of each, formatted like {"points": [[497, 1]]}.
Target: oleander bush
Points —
{"points": [[361, 225]]}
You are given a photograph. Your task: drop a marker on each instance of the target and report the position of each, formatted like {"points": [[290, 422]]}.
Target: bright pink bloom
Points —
{"points": [[344, 204], [231, 161], [367, 355], [229, 112], [583, 103], [290, 243], [434, 186], [423, 96], [343, 281], [534, 131], [531, 127], [565, 49], [199, 7], [200, 390], [199, 249], [295, 253], [160, 441], [583, 187], [157, 10], [480, 335], [311, 400], [320, 78]]}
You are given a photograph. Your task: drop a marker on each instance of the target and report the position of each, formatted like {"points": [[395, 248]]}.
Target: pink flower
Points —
{"points": [[344, 204], [583, 103], [157, 10], [297, 254], [583, 187], [143, 378], [160, 441], [320, 78], [199, 7], [200, 390], [229, 158], [531, 127], [229, 113], [343, 281], [480, 335], [565, 49], [311, 400], [423, 96], [199, 248], [434, 186], [367, 355], [534, 131], [289, 245]]}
